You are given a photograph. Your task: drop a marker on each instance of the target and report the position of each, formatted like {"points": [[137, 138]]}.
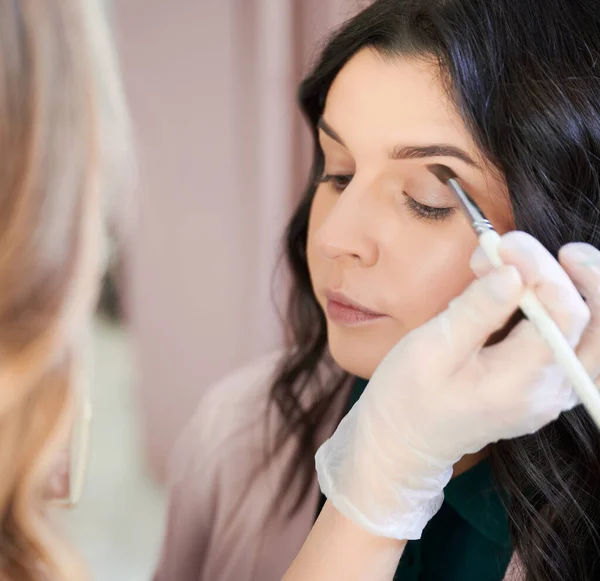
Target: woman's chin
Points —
{"points": [[358, 358]]}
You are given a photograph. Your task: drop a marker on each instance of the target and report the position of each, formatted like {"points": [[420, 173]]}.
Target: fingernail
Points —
{"points": [[504, 284], [479, 260], [583, 254]]}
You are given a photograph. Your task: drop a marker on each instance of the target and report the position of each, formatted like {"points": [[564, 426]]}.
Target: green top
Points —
{"points": [[468, 539]]}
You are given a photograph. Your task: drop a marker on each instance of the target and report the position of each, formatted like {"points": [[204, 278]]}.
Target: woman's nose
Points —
{"points": [[348, 233]]}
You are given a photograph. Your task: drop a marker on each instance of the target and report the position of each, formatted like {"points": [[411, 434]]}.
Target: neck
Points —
{"points": [[467, 462]]}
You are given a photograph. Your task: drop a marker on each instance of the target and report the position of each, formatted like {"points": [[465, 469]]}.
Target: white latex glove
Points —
{"points": [[440, 394]]}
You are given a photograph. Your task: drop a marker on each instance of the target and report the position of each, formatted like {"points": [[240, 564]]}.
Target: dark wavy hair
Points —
{"points": [[525, 77]]}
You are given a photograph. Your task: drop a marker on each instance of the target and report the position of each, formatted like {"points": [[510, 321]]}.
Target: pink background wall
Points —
{"points": [[223, 156]]}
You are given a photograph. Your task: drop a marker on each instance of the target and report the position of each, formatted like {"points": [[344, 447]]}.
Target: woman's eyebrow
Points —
{"points": [[323, 126], [432, 150], [399, 152]]}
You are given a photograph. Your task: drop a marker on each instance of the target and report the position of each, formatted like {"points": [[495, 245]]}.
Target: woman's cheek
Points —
{"points": [[430, 276]]}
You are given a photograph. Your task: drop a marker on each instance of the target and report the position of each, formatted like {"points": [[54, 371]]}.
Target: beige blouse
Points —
{"points": [[216, 528]]}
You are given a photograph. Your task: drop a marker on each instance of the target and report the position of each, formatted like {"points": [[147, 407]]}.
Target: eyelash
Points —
{"points": [[420, 211], [423, 212]]}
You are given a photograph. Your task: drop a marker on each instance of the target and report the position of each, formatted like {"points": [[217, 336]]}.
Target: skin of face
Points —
{"points": [[369, 236]]}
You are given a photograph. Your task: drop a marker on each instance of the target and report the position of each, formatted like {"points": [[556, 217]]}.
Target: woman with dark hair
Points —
{"points": [[507, 94]]}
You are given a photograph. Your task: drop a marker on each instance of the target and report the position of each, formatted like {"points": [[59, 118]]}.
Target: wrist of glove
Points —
{"points": [[394, 496]]}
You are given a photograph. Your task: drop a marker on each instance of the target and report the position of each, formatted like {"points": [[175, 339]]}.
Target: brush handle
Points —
{"points": [[565, 356]]}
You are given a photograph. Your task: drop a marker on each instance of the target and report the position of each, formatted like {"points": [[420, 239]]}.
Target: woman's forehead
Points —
{"points": [[380, 100]]}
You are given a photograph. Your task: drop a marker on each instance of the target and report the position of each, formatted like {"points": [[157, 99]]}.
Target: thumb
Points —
{"points": [[483, 308]]}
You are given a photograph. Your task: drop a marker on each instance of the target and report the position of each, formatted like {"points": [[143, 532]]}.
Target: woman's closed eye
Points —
{"points": [[423, 212], [339, 182]]}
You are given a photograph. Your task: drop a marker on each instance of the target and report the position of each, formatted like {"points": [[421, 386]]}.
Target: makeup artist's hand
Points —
{"points": [[440, 393]]}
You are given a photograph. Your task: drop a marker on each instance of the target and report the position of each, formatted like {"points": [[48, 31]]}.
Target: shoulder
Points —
{"points": [[208, 466], [219, 497]]}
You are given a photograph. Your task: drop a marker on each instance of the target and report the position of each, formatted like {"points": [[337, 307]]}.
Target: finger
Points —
{"points": [[480, 264], [483, 308], [582, 264], [543, 274], [553, 287]]}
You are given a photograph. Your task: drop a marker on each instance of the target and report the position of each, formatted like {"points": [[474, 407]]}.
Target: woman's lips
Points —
{"points": [[344, 311]]}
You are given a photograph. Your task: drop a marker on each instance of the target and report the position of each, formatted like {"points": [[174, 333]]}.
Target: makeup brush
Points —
{"points": [[490, 240]]}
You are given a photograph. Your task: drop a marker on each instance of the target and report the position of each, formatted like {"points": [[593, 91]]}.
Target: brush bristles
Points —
{"points": [[441, 172]]}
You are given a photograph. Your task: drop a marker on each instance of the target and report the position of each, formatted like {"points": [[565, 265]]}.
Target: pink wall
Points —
{"points": [[223, 154]]}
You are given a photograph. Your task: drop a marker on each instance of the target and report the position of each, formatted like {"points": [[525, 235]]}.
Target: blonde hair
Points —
{"points": [[64, 150]]}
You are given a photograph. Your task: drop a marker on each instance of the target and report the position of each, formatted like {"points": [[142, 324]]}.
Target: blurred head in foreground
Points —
{"points": [[64, 137]]}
